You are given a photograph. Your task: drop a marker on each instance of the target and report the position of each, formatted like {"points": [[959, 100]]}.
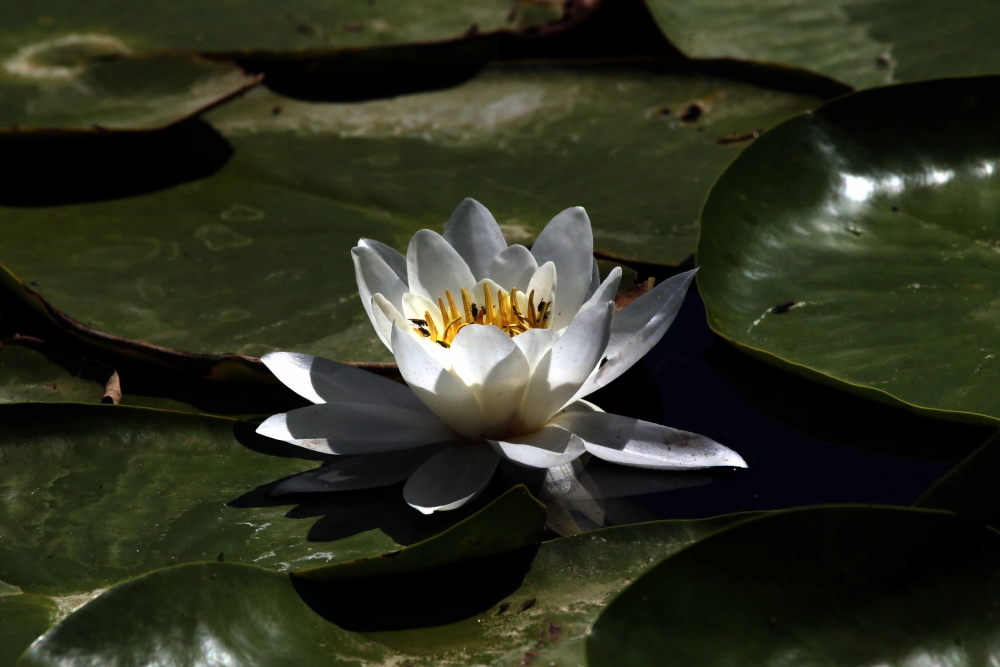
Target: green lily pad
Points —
{"points": [[256, 257], [971, 488], [23, 618], [527, 142], [860, 42], [97, 494], [858, 245], [82, 86], [191, 613], [295, 26], [27, 376], [512, 521], [840, 585]]}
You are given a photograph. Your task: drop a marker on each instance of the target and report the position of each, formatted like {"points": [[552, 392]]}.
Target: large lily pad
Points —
{"points": [[295, 26], [191, 613], [860, 42], [27, 376], [971, 489], [845, 586], [859, 245], [23, 618], [526, 141], [96, 494], [256, 257], [80, 84]]}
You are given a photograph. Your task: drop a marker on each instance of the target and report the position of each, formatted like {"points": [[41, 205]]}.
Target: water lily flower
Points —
{"points": [[498, 346]]}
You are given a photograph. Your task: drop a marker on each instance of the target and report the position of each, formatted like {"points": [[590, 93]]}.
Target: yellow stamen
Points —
{"points": [[444, 312], [506, 315], [467, 306], [488, 317], [451, 304], [430, 325]]}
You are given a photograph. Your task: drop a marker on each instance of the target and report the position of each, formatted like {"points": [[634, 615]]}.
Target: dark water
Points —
{"points": [[842, 449]]}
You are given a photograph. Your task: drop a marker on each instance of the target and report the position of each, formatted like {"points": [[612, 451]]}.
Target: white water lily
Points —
{"points": [[498, 346]]}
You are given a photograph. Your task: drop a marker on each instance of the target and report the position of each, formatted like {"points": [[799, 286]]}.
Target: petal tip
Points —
{"points": [[272, 425]]}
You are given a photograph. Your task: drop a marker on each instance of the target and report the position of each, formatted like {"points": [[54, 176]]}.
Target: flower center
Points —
{"points": [[506, 315]]}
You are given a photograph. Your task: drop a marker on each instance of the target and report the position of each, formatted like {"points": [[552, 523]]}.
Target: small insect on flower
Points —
{"points": [[498, 345]]}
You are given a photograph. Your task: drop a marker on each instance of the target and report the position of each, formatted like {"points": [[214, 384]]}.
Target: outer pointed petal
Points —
{"points": [[392, 257], [644, 444], [473, 232], [276, 427], [550, 447], [451, 478], [568, 242], [385, 315], [514, 267], [351, 473], [595, 282], [638, 327], [433, 266], [604, 292], [374, 276], [442, 392], [535, 343], [356, 428], [493, 367], [323, 381], [564, 369]]}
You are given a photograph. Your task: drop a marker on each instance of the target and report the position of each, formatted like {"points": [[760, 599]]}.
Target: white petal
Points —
{"points": [[606, 291], [644, 444], [451, 478], [356, 428], [324, 381], [514, 267], [473, 232], [433, 266], [566, 366], [374, 276], [568, 241], [534, 343], [442, 392], [491, 365], [351, 473], [544, 285], [416, 307], [385, 315], [392, 257], [638, 327], [595, 282], [551, 446]]}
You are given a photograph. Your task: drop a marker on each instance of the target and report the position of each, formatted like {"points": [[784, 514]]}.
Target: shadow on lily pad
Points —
{"points": [[422, 599], [58, 169]]}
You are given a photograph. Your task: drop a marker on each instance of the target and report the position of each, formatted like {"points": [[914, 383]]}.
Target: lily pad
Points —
{"points": [[971, 488], [27, 376], [858, 245], [189, 613], [861, 42], [23, 618], [637, 146], [295, 26], [256, 257], [85, 84], [839, 585], [97, 494], [512, 521]]}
